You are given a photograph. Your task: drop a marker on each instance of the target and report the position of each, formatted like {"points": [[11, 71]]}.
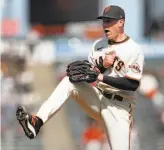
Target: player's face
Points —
{"points": [[112, 28]]}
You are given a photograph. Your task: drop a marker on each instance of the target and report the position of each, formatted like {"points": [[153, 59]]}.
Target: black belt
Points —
{"points": [[116, 97], [110, 96]]}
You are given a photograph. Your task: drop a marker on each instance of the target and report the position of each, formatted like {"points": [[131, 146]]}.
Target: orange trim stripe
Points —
{"points": [[131, 123], [34, 120]]}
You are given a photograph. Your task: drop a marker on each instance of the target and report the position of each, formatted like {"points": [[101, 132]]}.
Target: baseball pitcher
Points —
{"points": [[116, 64]]}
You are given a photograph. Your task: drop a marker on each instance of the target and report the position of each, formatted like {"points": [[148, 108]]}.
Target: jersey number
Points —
{"points": [[119, 65]]}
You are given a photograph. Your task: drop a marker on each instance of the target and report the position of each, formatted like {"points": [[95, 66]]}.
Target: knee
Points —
{"points": [[66, 79], [67, 84], [72, 86]]}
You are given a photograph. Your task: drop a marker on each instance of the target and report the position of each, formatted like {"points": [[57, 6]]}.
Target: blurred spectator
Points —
{"points": [[93, 136], [150, 88]]}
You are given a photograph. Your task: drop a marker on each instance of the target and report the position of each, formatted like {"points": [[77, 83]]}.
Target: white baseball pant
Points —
{"points": [[115, 114]]}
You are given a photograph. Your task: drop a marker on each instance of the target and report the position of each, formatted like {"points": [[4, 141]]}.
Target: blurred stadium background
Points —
{"points": [[40, 37]]}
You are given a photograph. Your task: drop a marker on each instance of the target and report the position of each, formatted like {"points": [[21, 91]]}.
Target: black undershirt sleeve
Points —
{"points": [[122, 83]]}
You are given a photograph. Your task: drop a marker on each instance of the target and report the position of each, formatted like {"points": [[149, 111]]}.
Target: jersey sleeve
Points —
{"points": [[135, 67], [92, 57]]}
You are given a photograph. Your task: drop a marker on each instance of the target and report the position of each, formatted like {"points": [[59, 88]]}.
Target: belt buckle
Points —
{"points": [[118, 97], [113, 96], [108, 95]]}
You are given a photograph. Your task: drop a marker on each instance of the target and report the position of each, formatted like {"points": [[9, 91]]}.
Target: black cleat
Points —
{"points": [[31, 124]]}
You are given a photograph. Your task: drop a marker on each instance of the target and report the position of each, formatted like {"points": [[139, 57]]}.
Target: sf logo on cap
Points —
{"points": [[107, 9]]}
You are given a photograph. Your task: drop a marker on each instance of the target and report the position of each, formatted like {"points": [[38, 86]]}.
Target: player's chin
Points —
{"points": [[109, 36]]}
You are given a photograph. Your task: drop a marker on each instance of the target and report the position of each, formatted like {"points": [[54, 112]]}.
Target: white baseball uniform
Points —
{"points": [[117, 115]]}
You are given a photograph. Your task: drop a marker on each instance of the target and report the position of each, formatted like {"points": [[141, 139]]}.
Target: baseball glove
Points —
{"points": [[82, 71]]}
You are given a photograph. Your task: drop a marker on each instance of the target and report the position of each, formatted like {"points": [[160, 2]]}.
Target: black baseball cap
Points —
{"points": [[113, 12]]}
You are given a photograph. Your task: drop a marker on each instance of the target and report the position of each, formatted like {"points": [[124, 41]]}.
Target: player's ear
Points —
{"points": [[121, 22]]}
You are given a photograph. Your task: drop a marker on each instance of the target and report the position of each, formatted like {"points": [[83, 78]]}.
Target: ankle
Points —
{"points": [[39, 122]]}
